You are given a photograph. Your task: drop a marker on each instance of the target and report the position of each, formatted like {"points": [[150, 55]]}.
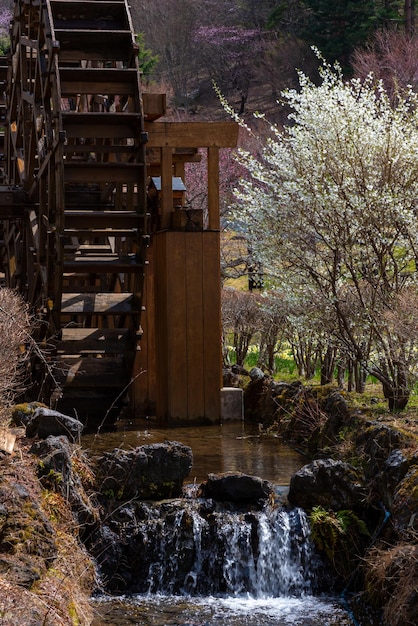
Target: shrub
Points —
{"points": [[15, 338]]}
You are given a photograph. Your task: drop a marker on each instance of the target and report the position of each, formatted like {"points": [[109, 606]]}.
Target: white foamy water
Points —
{"points": [[160, 610]]}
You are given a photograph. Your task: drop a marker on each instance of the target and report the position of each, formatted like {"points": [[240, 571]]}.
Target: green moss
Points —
{"points": [[109, 494], [340, 535], [72, 612]]}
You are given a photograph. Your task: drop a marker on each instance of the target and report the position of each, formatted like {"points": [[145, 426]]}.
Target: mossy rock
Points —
{"points": [[22, 413], [405, 504]]}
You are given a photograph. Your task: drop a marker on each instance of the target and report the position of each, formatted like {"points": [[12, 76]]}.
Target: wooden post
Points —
{"points": [[213, 188], [185, 373], [166, 202]]}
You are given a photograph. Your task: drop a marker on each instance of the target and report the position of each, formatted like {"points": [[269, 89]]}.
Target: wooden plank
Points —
{"points": [[94, 341], [84, 372], [101, 125], [76, 172], [100, 303], [102, 219], [155, 105], [102, 265], [194, 326], [191, 134], [100, 232], [177, 326], [92, 80], [94, 45], [161, 327], [145, 369], [212, 324], [109, 150], [97, 14]]}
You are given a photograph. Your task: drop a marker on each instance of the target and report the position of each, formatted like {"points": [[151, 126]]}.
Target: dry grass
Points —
{"points": [[61, 595], [392, 582], [15, 328]]}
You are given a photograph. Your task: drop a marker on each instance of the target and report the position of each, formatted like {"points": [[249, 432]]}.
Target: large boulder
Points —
{"points": [[338, 415], [55, 455], [63, 468], [154, 471], [236, 487], [332, 484], [375, 443], [46, 422]]}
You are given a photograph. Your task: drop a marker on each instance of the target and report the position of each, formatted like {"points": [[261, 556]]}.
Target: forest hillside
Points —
{"points": [[251, 49]]}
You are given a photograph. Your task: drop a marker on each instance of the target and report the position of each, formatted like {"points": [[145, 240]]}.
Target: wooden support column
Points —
{"points": [[166, 187], [188, 329], [213, 188], [184, 371], [180, 170]]}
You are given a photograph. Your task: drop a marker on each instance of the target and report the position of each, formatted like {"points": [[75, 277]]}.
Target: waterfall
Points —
{"points": [[188, 547]]}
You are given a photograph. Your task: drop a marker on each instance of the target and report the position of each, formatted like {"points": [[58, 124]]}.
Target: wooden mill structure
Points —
{"points": [[126, 294]]}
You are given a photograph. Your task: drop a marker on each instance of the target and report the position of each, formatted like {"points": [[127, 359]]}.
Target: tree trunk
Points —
{"points": [[341, 367], [350, 375], [327, 366], [409, 17], [395, 388], [397, 398], [360, 376]]}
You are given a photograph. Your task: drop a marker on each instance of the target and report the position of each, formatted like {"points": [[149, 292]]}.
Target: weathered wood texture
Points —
{"points": [[191, 134], [188, 328], [144, 391]]}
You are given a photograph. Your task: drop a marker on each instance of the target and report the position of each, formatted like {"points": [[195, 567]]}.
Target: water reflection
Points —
{"points": [[233, 446]]}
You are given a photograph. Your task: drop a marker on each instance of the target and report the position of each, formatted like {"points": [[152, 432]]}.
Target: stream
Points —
{"points": [[248, 570]]}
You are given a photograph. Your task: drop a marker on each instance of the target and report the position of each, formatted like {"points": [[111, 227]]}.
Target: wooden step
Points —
{"points": [[92, 80], [90, 14], [82, 341], [90, 219], [93, 406], [75, 247], [94, 45], [100, 151], [89, 371], [109, 264], [94, 248], [75, 172], [104, 125], [99, 303], [100, 232]]}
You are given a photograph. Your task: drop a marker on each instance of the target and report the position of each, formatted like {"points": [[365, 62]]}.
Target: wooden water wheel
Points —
{"points": [[74, 144]]}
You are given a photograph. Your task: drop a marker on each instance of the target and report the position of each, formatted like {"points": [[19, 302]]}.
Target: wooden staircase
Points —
{"points": [[77, 147]]}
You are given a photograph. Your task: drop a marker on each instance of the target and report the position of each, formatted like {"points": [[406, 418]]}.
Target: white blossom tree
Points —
{"points": [[332, 204]]}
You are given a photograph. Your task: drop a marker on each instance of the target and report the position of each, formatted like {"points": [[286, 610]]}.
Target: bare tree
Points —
{"points": [[392, 56], [168, 29], [240, 318], [273, 318]]}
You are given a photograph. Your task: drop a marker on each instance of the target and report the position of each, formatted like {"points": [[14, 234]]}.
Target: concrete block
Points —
{"points": [[232, 403]]}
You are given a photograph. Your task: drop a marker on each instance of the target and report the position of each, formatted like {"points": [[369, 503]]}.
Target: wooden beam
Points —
{"points": [[191, 134]]}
